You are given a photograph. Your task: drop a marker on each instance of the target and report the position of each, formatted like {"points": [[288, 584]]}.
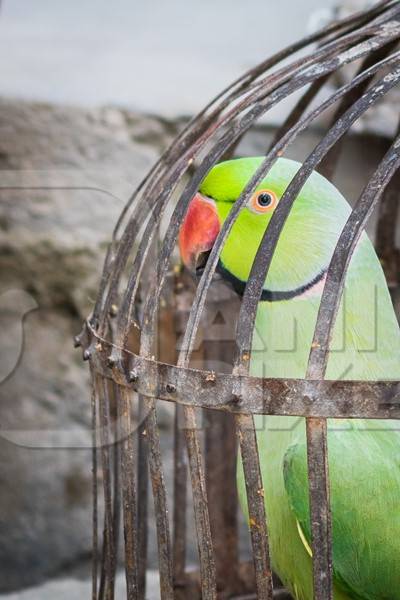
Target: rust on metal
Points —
{"points": [[292, 397]]}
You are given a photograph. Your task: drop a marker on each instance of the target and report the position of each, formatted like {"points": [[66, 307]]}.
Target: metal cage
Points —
{"points": [[128, 373]]}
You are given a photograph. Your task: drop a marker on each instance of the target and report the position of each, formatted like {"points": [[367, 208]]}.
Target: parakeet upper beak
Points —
{"points": [[198, 232]]}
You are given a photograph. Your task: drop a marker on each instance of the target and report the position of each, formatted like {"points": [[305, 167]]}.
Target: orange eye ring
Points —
{"points": [[263, 201]]}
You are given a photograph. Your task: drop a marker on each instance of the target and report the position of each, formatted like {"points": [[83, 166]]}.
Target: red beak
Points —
{"points": [[198, 231]]}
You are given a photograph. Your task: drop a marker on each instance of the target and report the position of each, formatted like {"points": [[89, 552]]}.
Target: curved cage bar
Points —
{"points": [[130, 377]]}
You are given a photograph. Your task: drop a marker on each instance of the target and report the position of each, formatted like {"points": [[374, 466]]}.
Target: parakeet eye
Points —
{"points": [[263, 201]]}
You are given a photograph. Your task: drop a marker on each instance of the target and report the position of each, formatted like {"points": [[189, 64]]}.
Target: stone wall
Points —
{"points": [[65, 175]]}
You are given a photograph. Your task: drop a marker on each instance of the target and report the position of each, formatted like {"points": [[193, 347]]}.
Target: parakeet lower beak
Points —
{"points": [[198, 232]]}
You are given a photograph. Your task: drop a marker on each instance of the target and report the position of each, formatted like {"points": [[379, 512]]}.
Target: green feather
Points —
{"points": [[318, 216], [364, 456]]}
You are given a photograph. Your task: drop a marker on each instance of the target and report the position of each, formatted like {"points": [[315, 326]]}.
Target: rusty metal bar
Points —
{"points": [[129, 499], [320, 517], [329, 163], [341, 257], [202, 520], [256, 506], [392, 13], [291, 397], [160, 502], [150, 441], [149, 432], [95, 519], [142, 491], [385, 245], [379, 11], [220, 466], [180, 500], [220, 446], [109, 540], [102, 582], [149, 452], [298, 110], [116, 484], [203, 528]]}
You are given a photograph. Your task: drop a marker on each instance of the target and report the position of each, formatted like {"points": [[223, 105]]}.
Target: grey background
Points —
{"points": [[160, 56]]}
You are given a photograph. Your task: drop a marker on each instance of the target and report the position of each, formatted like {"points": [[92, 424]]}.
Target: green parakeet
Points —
{"points": [[364, 456]]}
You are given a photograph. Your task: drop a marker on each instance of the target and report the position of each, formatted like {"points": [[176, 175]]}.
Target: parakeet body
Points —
{"points": [[364, 456]]}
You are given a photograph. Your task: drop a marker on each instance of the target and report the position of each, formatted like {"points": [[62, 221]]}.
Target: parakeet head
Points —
{"points": [[306, 243]]}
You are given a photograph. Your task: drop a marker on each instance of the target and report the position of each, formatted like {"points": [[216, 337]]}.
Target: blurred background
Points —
{"points": [[92, 92], [167, 58]]}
